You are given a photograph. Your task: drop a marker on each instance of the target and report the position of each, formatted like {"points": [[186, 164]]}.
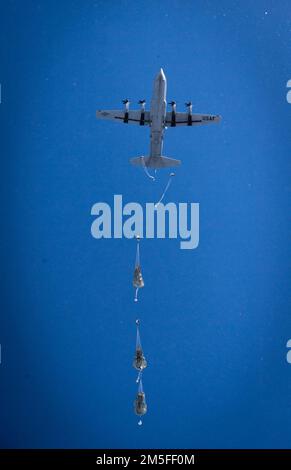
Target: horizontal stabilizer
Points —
{"points": [[155, 162]]}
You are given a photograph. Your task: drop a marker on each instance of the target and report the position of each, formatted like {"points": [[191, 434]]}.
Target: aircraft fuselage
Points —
{"points": [[158, 114]]}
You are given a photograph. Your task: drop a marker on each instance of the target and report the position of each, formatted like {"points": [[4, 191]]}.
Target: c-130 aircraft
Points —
{"points": [[158, 119]]}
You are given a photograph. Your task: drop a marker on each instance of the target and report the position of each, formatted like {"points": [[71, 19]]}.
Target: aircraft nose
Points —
{"points": [[161, 75]]}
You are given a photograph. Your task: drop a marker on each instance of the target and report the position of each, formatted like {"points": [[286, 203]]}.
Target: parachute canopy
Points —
{"points": [[138, 281], [139, 361]]}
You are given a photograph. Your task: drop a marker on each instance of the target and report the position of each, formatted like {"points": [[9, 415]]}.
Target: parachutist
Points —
{"points": [[139, 362], [140, 406], [138, 281]]}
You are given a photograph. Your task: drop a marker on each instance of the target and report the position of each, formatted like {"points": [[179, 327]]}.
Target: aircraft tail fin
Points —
{"points": [[155, 162]]}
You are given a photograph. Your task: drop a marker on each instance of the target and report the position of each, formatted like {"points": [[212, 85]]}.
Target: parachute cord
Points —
{"points": [[138, 341], [146, 170], [140, 387], [137, 256], [165, 190], [139, 376]]}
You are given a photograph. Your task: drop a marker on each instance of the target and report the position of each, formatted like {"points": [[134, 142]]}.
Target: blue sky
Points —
{"points": [[215, 320]]}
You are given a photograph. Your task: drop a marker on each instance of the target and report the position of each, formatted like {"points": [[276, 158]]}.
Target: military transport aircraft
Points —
{"points": [[158, 119]]}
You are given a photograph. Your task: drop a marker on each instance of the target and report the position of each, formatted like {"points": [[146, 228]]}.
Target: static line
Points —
{"points": [[165, 190], [146, 170]]}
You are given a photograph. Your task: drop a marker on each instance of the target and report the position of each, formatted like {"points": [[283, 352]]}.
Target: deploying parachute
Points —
{"points": [[138, 281], [139, 362]]}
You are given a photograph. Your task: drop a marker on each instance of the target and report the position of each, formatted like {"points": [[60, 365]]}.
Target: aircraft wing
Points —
{"points": [[184, 119], [130, 117]]}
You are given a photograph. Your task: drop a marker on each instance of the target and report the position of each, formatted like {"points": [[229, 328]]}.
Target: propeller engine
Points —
{"points": [[173, 117], [142, 104], [189, 106], [126, 104], [173, 104]]}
